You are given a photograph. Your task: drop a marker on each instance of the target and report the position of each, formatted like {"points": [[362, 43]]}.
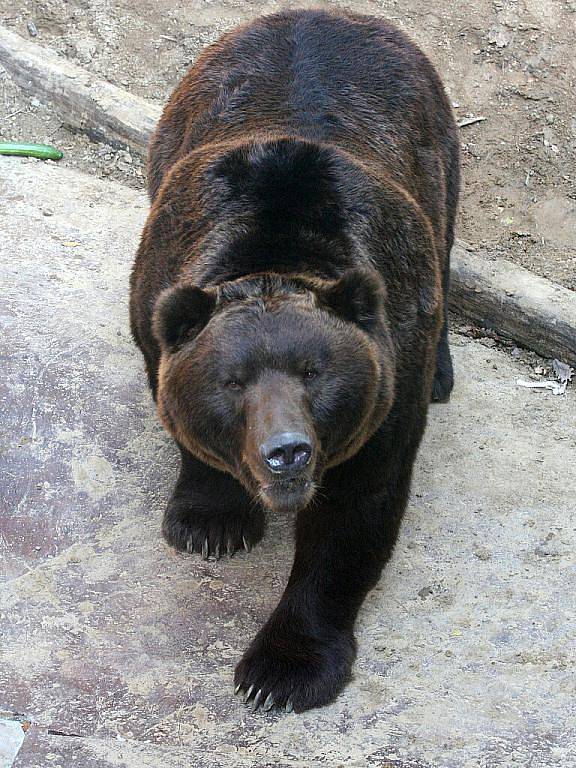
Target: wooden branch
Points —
{"points": [[494, 293], [94, 106]]}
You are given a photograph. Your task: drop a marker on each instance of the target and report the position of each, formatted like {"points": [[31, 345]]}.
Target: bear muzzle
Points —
{"points": [[285, 470], [287, 453], [281, 450]]}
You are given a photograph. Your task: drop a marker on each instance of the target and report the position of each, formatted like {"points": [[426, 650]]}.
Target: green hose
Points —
{"points": [[43, 151]]}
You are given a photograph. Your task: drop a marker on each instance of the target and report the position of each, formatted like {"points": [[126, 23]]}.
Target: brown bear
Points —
{"points": [[289, 298]]}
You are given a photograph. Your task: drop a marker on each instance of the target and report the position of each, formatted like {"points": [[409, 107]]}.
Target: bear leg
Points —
{"points": [[210, 513], [303, 655]]}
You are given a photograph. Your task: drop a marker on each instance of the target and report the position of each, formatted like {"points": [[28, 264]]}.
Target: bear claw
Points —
{"points": [[256, 701], [211, 535], [259, 700], [294, 671], [269, 703]]}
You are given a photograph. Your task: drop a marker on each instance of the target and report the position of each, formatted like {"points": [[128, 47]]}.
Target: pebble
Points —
{"points": [[85, 50], [32, 29], [482, 553], [47, 212]]}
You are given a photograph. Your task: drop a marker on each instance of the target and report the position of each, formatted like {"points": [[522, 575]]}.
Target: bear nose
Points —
{"points": [[286, 451]]}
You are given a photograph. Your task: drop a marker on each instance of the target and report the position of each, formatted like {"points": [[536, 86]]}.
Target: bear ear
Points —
{"points": [[358, 296], [181, 313]]}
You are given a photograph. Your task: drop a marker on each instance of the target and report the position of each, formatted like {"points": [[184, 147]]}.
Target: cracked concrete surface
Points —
{"points": [[11, 738], [466, 648]]}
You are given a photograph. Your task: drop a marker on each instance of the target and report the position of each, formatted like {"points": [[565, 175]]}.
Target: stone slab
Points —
{"points": [[466, 647]]}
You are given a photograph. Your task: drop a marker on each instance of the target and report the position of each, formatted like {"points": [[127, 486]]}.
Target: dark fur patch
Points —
{"points": [[286, 184]]}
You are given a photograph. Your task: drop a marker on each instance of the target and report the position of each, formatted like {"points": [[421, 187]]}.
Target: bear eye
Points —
{"points": [[310, 374], [234, 385]]}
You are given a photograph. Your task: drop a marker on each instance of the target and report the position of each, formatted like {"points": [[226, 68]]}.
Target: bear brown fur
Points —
{"points": [[289, 298]]}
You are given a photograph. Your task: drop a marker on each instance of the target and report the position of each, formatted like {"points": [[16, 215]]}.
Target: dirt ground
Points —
{"points": [[121, 651], [509, 61]]}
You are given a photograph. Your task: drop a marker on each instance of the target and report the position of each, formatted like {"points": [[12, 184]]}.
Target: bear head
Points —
{"points": [[275, 378]]}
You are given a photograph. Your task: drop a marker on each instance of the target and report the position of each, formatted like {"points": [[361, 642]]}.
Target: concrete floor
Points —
{"points": [[466, 648]]}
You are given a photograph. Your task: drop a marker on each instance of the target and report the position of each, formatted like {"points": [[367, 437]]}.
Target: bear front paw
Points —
{"points": [[210, 534], [284, 669]]}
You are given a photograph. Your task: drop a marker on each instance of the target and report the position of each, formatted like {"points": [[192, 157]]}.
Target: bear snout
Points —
{"points": [[287, 452], [289, 459], [281, 448]]}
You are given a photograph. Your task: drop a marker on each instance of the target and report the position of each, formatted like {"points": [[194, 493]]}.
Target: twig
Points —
{"points": [[13, 114], [471, 121], [554, 386]]}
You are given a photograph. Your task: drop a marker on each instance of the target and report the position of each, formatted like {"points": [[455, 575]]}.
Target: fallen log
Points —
{"points": [[100, 109], [496, 294]]}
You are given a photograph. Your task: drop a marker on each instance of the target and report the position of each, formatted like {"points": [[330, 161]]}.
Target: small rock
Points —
{"points": [[34, 102], [549, 547], [47, 212], [562, 371], [84, 50], [424, 592], [547, 550], [482, 552], [32, 28], [500, 36], [516, 352]]}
